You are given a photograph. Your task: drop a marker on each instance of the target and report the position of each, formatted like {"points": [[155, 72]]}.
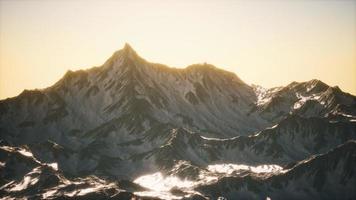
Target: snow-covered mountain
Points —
{"points": [[103, 128], [326, 176]]}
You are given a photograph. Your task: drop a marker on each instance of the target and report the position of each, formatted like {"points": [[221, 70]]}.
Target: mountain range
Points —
{"points": [[132, 129]]}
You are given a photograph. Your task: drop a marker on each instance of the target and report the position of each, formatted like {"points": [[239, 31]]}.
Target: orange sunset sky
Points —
{"points": [[270, 43]]}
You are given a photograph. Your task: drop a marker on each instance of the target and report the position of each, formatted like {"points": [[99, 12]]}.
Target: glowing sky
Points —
{"points": [[270, 43]]}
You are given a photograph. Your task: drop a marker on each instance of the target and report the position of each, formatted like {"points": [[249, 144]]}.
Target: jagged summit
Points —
{"points": [[129, 57], [129, 51], [127, 46], [124, 54]]}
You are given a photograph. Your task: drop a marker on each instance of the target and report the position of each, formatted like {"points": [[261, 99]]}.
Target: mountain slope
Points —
{"points": [[327, 176], [309, 99], [24, 177], [126, 87], [293, 139]]}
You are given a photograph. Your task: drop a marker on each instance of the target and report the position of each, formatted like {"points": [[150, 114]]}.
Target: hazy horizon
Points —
{"points": [[269, 43]]}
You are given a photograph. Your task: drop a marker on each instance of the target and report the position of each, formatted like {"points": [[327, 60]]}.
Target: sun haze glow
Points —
{"points": [[270, 43]]}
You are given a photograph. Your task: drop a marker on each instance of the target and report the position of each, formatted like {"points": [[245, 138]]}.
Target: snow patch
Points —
{"points": [[235, 168], [303, 99], [53, 166], [158, 182]]}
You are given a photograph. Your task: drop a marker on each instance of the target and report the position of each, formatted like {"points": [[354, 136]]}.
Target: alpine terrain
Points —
{"points": [[132, 129]]}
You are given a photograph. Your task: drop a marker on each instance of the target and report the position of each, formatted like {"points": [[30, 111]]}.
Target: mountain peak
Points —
{"points": [[128, 48], [127, 52]]}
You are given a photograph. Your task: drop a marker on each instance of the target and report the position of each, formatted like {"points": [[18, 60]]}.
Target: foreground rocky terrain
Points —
{"points": [[132, 129]]}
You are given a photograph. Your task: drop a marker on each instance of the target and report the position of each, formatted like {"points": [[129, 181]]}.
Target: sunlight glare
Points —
{"points": [[158, 182]]}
